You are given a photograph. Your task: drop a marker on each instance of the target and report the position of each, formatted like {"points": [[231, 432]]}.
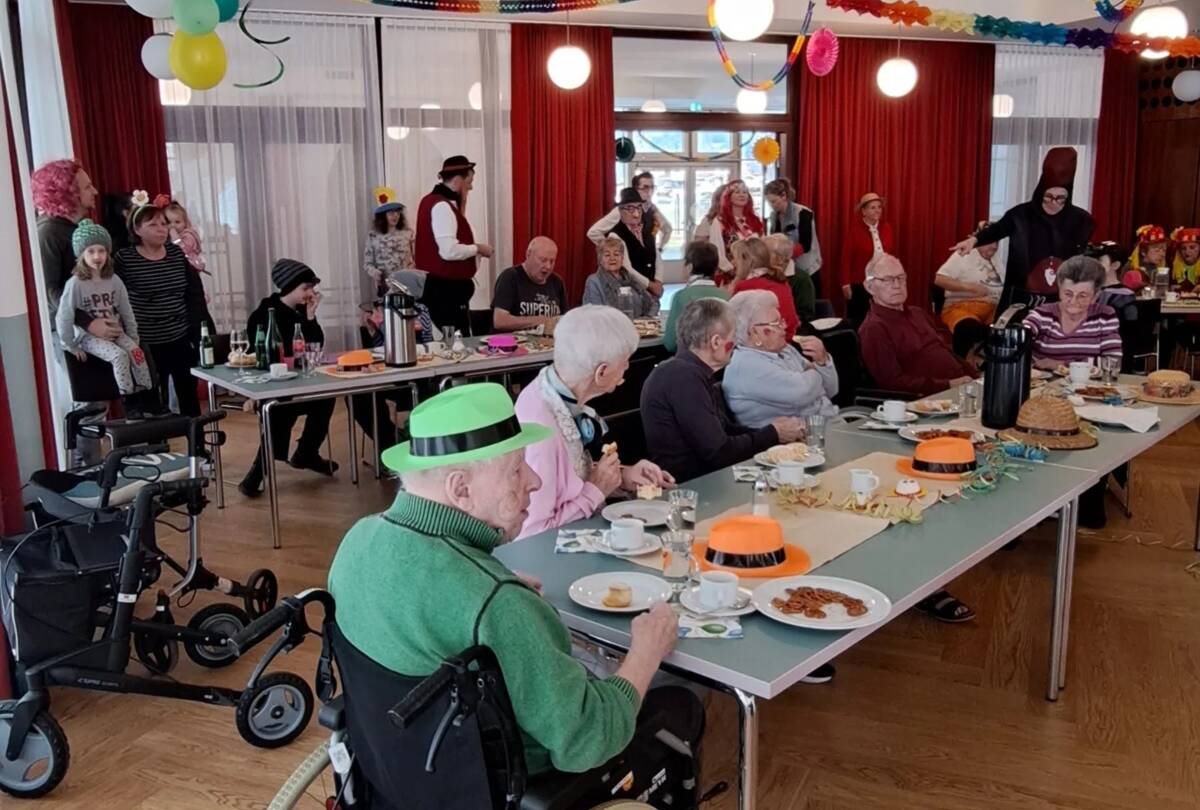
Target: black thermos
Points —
{"points": [[1006, 375]]}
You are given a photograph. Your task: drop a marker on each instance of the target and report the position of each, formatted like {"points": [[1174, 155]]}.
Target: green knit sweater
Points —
{"points": [[679, 303], [419, 583]]}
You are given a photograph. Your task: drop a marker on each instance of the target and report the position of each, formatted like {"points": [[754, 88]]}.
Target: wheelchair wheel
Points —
{"points": [[306, 773], [263, 593], [223, 618], [43, 760], [157, 654], [275, 710]]}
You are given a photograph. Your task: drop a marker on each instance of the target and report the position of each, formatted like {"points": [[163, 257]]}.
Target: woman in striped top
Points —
{"points": [[1077, 327], [167, 300]]}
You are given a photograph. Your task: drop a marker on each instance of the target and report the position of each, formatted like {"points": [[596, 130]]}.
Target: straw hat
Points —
{"points": [[1169, 387], [751, 546], [942, 459], [1052, 423], [870, 197]]}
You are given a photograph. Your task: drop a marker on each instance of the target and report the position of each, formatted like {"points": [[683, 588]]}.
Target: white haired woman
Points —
{"points": [[592, 347], [768, 377]]}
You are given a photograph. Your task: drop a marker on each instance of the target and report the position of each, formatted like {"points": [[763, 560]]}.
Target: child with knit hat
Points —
{"points": [[94, 289]]}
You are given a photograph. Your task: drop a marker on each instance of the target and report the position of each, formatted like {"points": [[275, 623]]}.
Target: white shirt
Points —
{"points": [[444, 224], [606, 223], [875, 237], [972, 269]]}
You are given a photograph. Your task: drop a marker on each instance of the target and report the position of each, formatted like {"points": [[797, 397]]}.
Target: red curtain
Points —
{"points": [[1116, 148], [116, 116], [563, 177], [928, 154]]}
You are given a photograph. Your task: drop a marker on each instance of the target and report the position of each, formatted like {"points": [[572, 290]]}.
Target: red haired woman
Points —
{"points": [[63, 194], [736, 221]]}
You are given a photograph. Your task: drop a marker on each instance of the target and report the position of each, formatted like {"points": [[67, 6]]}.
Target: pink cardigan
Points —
{"points": [[564, 497]]}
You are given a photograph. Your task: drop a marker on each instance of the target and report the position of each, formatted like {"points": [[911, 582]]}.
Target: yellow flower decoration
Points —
{"points": [[957, 21], [766, 151]]}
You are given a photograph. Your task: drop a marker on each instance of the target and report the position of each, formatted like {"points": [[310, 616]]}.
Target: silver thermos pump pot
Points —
{"points": [[399, 327]]}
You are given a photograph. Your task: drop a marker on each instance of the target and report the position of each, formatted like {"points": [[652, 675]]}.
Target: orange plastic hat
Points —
{"points": [[943, 459], [751, 546]]}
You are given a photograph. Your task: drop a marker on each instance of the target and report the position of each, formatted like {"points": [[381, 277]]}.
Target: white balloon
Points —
{"points": [[1186, 86], [157, 9], [154, 56]]}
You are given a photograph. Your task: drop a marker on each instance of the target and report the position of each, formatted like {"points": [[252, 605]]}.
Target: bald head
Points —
{"points": [[540, 257], [887, 281]]}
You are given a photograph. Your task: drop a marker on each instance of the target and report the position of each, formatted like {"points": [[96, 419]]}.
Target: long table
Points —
{"points": [[316, 386], [907, 562]]}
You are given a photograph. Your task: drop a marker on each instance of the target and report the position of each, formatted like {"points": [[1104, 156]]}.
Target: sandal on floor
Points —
{"points": [[945, 608]]}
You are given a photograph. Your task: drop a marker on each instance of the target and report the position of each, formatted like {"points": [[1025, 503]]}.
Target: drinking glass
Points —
{"points": [[239, 345], [1110, 367], [677, 558], [683, 503], [815, 426], [312, 357]]}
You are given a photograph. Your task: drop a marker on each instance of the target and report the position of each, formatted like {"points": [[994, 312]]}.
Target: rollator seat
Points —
{"points": [[83, 490], [125, 432]]}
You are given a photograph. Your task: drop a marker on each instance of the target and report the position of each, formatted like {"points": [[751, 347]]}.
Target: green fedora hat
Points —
{"points": [[468, 423]]}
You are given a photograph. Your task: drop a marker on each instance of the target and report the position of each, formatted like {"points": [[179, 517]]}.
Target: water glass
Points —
{"points": [[968, 399], [678, 563], [312, 356], [683, 503], [1110, 367], [815, 437]]}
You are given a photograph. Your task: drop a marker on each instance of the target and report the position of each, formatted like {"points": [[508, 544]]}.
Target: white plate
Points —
{"points": [[913, 434], [809, 481], [650, 542], [589, 591], [909, 418], [690, 599], [921, 408], [652, 513], [1127, 392], [813, 459], [878, 605]]}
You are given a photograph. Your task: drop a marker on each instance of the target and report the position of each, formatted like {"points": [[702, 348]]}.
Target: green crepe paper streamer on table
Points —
{"points": [[262, 43]]}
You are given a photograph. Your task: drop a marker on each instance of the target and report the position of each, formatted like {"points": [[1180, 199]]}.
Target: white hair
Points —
{"points": [[878, 259], [589, 336], [746, 307]]}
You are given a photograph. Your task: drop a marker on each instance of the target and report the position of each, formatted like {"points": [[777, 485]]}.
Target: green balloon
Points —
{"points": [[196, 17], [228, 9]]}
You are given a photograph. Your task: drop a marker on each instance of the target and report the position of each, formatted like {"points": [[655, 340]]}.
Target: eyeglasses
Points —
{"points": [[894, 281], [645, 187], [629, 209], [1055, 198], [778, 323]]}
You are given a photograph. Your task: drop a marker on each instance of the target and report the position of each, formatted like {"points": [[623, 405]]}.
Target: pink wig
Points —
{"points": [[55, 191]]}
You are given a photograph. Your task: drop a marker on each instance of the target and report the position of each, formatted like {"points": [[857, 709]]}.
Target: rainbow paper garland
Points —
{"points": [[500, 6], [732, 70], [906, 12], [1119, 13]]}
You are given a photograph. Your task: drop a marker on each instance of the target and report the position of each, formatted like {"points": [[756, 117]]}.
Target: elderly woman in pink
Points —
{"points": [[592, 347]]}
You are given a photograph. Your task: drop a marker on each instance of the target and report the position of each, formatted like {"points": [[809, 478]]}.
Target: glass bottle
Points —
{"points": [[262, 360], [298, 359], [275, 350], [207, 353]]}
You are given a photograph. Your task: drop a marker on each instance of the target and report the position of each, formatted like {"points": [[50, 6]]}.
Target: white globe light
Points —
{"points": [[1186, 86], [896, 77], [1002, 105], [475, 96], [173, 93], [654, 105], [397, 133], [751, 102], [1159, 21], [743, 20], [569, 66]]}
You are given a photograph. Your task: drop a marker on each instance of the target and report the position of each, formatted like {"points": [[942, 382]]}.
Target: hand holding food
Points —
{"points": [[645, 477], [653, 633], [606, 474]]}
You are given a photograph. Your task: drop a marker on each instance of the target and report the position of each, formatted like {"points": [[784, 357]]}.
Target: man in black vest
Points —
{"points": [[643, 256]]}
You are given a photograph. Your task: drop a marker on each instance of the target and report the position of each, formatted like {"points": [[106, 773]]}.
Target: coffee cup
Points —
{"points": [[436, 346], [1080, 371], [893, 410], [278, 370], [863, 484], [791, 473], [1172, 296], [625, 534], [718, 589]]}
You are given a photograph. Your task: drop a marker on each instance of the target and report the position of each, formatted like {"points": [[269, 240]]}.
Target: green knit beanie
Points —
{"points": [[88, 233]]}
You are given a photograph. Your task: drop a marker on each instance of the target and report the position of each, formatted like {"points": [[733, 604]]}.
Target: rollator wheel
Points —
{"points": [[157, 654], [223, 618], [275, 710], [43, 760], [263, 593]]}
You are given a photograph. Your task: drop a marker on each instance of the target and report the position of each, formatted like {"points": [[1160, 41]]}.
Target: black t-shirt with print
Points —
{"points": [[517, 295]]}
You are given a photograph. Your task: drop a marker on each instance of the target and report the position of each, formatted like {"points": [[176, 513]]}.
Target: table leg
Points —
{"points": [[1066, 622], [375, 442], [216, 449], [747, 749], [269, 470], [353, 440], [1057, 611]]}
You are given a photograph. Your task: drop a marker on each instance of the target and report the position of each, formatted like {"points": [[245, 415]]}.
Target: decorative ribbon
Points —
{"points": [[499, 6], [729, 560], [1032, 431], [262, 43], [1119, 12], [943, 468], [466, 442], [731, 69]]}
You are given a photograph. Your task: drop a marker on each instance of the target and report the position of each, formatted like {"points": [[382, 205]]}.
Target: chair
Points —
{"points": [[823, 308], [1139, 337], [937, 299]]}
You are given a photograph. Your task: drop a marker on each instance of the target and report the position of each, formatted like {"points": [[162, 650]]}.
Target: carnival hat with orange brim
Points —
{"points": [[944, 459], [751, 546]]}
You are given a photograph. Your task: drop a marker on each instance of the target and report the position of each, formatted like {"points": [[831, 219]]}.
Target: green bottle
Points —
{"points": [[261, 361]]}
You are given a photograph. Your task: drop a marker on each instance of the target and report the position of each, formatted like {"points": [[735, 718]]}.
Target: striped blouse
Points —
{"points": [[158, 293], [1097, 336]]}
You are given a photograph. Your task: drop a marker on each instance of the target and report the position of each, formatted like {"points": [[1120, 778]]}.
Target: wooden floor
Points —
{"points": [[921, 715]]}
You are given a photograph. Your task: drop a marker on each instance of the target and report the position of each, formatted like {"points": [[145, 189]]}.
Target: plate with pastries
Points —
{"points": [[794, 451], [240, 360], [924, 434], [1169, 387], [1103, 392], [822, 603], [619, 591], [934, 407]]}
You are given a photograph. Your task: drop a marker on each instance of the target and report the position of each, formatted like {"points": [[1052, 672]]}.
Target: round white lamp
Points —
{"points": [[744, 20], [1186, 86], [896, 77], [1002, 105], [569, 66], [751, 102], [654, 105], [1159, 21], [475, 96]]}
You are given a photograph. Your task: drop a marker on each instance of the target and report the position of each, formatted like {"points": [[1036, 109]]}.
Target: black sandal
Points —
{"points": [[945, 608]]}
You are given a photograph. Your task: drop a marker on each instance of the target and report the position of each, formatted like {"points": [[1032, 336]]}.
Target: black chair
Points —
{"points": [[1139, 335], [823, 308], [937, 299], [91, 380]]}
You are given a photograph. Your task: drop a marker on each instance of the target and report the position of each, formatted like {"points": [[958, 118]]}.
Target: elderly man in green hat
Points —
{"points": [[419, 583]]}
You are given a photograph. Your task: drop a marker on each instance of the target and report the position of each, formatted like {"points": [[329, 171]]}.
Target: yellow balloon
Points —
{"points": [[199, 62]]}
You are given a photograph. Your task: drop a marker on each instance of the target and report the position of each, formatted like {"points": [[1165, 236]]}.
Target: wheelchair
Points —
{"points": [[450, 740], [70, 621]]}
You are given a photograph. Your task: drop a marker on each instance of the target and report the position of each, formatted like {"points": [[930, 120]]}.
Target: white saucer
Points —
{"points": [[813, 459], [650, 543], [649, 512], [647, 589], [690, 599], [909, 416], [809, 481]]}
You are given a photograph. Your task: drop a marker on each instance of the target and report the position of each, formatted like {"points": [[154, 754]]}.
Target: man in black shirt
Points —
{"points": [[530, 294], [295, 304], [642, 252]]}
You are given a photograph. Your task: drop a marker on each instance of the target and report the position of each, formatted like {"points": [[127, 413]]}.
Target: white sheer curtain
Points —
{"points": [[284, 170], [446, 92]]}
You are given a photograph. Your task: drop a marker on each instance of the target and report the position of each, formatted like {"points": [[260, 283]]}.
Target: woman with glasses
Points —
{"points": [[768, 377], [1042, 233], [1077, 326]]}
